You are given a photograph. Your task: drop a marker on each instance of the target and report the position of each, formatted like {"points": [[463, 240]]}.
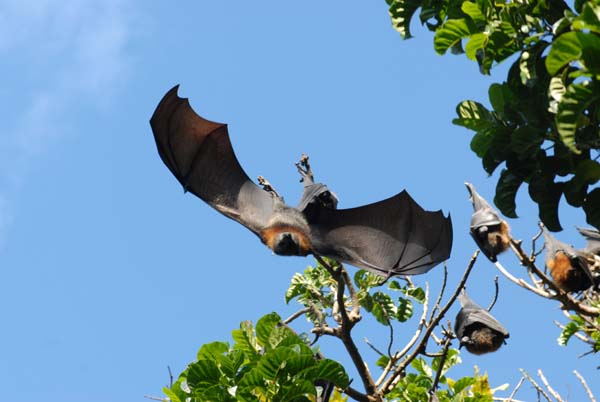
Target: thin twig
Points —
{"points": [[587, 389], [495, 294], [555, 394], [512, 394], [539, 389], [438, 374], [398, 355], [170, 377], [369, 344], [436, 306], [521, 282], [154, 398], [297, 314]]}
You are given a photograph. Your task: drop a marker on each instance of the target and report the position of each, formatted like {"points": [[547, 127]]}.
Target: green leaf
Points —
{"points": [[506, 191], [574, 46], [416, 293], [384, 310], [547, 193], [450, 33], [477, 42], [265, 326], [474, 116], [570, 329], [421, 366], [591, 206], [570, 111], [589, 18], [405, 309], [588, 171], [212, 351], [401, 13], [245, 339], [332, 371], [526, 140], [528, 63], [382, 361], [473, 11], [203, 373], [462, 384]]}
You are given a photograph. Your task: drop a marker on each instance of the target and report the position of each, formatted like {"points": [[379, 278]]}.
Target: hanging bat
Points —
{"points": [[390, 237], [593, 240], [490, 232], [568, 267], [477, 329]]}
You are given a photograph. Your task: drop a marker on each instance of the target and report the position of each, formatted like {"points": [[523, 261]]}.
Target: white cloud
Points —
{"points": [[65, 54]]}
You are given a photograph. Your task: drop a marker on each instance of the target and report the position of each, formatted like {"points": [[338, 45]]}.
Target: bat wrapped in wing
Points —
{"points": [[391, 237]]}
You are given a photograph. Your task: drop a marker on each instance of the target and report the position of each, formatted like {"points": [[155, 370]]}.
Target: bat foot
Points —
{"points": [[304, 169], [268, 187]]}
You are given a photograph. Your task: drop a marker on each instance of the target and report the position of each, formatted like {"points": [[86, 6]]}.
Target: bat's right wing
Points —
{"points": [[199, 153], [390, 237]]}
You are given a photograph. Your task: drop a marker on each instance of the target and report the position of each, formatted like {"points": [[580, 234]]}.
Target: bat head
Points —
{"points": [[481, 339], [286, 240]]}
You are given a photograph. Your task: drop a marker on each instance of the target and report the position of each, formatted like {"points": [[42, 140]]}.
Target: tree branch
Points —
{"points": [[585, 386]]}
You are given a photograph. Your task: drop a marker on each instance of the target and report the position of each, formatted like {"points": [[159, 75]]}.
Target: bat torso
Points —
{"points": [[566, 273]]}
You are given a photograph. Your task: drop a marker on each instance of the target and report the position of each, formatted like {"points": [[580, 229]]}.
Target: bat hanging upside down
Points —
{"points": [[477, 329], [490, 232], [568, 267], [389, 237]]}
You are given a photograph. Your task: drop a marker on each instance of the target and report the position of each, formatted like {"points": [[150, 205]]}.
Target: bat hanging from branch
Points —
{"points": [[490, 232], [477, 329], [390, 237], [568, 267]]}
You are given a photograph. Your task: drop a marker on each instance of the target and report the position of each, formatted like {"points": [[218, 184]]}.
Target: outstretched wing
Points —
{"points": [[390, 237], [199, 153]]}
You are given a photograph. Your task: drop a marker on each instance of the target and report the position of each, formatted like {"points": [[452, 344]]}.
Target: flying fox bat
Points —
{"points": [[490, 232], [568, 267], [477, 329], [390, 237], [593, 240]]}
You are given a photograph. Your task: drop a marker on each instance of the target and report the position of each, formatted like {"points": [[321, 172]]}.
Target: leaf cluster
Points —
{"points": [[267, 363], [544, 120]]}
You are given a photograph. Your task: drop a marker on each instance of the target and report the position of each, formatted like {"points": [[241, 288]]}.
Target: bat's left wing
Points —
{"points": [[593, 240], [390, 237]]}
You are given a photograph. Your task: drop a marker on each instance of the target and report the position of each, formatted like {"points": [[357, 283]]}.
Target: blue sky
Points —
{"points": [[110, 273]]}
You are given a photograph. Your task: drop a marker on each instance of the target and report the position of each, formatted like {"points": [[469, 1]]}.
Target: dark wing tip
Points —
{"points": [[171, 93]]}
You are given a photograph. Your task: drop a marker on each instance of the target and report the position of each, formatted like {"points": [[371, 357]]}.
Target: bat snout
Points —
{"points": [[287, 244]]}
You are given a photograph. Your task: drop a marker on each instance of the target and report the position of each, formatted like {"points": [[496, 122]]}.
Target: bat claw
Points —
{"points": [[268, 187], [304, 169]]}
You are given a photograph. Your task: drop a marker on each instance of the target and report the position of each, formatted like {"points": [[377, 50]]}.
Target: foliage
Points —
{"points": [[270, 362], [543, 125], [266, 363]]}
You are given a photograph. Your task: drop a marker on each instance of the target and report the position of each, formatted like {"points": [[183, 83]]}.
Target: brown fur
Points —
{"points": [[499, 240], [269, 235], [565, 275], [484, 340]]}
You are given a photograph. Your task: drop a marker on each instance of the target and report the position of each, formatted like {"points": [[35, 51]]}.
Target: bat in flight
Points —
{"points": [[390, 237], [477, 329], [568, 267], [490, 232]]}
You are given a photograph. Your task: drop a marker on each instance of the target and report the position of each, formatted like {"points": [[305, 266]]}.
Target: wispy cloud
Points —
{"points": [[62, 54]]}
